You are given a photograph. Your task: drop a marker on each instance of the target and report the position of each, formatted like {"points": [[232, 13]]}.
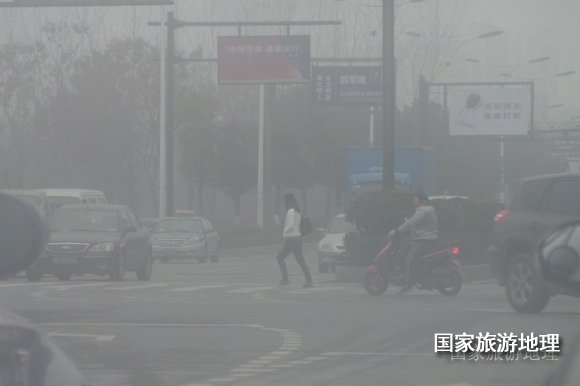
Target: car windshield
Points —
{"points": [[88, 220], [57, 201], [340, 225], [179, 225]]}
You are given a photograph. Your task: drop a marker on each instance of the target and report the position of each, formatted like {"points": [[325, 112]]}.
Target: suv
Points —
{"points": [[539, 205]]}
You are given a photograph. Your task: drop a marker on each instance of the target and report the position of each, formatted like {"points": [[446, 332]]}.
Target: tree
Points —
{"points": [[237, 160], [198, 139]]}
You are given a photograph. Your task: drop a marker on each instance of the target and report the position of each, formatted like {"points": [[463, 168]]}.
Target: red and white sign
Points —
{"points": [[263, 59], [489, 110]]}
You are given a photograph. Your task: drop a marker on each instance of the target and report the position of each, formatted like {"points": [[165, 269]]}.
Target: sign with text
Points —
{"points": [[263, 59], [568, 149], [496, 110], [347, 86]]}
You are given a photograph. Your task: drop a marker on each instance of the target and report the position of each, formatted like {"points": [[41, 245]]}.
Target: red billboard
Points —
{"points": [[263, 59]]}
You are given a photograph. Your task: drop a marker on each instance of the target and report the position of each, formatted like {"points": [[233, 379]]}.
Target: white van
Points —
{"points": [[58, 197]]}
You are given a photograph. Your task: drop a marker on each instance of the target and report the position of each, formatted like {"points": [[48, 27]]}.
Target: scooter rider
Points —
{"points": [[424, 227]]}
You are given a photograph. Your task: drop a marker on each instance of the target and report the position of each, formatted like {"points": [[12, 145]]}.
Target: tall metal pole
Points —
{"points": [[372, 127], [502, 171], [261, 121], [162, 128], [169, 112], [388, 94]]}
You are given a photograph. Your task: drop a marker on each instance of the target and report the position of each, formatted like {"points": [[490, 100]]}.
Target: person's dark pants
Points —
{"points": [[293, 245], [419, 248]]}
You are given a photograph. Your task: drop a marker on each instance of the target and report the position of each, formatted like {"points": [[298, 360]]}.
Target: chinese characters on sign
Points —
{"points": [[263, 59], [568, 149], [494, 110], [351, 86], [498, 347]]}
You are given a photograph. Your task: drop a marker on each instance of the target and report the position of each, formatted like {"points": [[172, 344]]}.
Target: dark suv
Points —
{"points": [[539, 205]]}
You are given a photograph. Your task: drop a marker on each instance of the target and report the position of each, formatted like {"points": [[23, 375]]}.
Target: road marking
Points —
{"points": [[315, 358], [261, 362], [401, 354], [193, 289], [283, 366], [258, 296], [97, 338], [312, 290], [75, 286], [251, 366], [134, 287], [281, 352], [244, 370], [249, 290], [491, 310], [300, 362], [221, 380], [243, 375], [8, 285], [269, 357]]}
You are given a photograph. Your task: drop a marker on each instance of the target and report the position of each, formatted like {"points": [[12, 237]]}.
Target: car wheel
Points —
{"points": [[118, 269], [323, 268], [525, 290], [144, 272], [33, 276], [63, 276]]}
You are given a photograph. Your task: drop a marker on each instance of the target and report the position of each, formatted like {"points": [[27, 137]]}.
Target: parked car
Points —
{"points": [[58, 197], [27, 356], [190, 237], [559, 262], [539, 205], [99, 239], [332, 244]]}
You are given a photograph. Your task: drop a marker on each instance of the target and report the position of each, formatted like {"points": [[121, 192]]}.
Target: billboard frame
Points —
{"points": [[307, 80], [493, 137]]}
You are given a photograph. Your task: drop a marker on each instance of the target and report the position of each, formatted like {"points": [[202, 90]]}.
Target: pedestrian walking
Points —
{"points": [[293, 242]]}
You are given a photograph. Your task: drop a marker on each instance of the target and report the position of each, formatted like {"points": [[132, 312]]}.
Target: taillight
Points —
{"points": [[455, 251], [501, 215]]}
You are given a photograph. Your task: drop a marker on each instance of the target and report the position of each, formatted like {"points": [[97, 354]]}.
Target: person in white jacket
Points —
{"points": [[293, 241]]}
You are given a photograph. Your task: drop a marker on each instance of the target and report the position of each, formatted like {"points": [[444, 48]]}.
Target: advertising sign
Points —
{"points": [[489, 110], [263, 59], [568, 149], [347, 86]]}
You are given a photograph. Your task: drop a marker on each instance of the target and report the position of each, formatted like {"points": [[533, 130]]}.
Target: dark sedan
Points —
{"points": [[99, 239]]}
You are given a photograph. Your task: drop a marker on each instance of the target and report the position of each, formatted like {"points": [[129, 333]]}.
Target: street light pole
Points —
{"points": [[389, 94]]}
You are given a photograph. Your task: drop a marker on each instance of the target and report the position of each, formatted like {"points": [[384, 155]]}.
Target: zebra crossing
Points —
{"points": [[169, 287]]}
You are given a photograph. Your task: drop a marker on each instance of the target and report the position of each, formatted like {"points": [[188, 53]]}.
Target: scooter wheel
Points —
{"points": [[453, 285], [376, 283]]}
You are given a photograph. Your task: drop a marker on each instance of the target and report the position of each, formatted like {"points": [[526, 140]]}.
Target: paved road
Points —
{"points": [[230, 324]]}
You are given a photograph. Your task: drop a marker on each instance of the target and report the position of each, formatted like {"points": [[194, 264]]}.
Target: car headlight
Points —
{"points": [[193, 241], [103, 247]]}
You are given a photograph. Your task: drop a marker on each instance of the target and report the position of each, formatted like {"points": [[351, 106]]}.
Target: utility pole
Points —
{"points": [[389, 94]]}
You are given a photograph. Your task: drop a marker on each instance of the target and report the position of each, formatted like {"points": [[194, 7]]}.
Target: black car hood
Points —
{"points": [[83, 237]]}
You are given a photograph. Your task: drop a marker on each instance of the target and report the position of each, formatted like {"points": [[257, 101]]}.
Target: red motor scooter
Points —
{"points": [[438, 270]]}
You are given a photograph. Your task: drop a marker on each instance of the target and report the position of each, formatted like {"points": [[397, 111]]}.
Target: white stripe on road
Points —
{"points": [[198, 288], [97, 338], [74, 286], [400, 354], [249, 290], [134, 287], [22, 284], [315, 289]]}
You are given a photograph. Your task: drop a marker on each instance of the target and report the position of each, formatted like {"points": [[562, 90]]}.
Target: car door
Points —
{"points": [[130, 240], [143, 237], [560, 205], [212, 237]]}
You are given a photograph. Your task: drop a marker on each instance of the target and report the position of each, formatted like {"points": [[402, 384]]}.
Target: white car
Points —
{"points": [[332, 244]]}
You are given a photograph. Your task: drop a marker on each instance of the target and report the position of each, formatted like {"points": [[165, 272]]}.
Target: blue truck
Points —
{"points": [[415, 170]]}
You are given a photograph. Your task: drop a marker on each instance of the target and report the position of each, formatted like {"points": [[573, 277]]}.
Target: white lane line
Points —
{"points": [[300, 362], [249, 290], [243, 375], [221, 380], [492, 310], [250, 366], [400, 354], [281, 353], [75, 286], [315, 358], [134, 287], [23, 284], [283, 366], [97, 338], [312, 290], [197, 288], [261, 362], [244, 370], [270, 358]]}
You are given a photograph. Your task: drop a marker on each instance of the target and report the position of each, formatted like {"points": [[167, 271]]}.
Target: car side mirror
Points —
{"points": [[23, 235], [559, 257]]}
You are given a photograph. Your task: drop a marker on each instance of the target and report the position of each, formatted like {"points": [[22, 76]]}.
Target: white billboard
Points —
{"points": [[497, 110]]}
